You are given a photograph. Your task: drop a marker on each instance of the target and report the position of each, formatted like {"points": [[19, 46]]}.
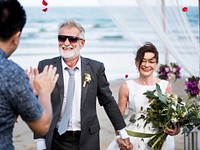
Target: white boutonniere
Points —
{"points": [[87, 79]]}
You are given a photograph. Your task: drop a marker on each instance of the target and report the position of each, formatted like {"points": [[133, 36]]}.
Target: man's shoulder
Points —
{"points": [[10, 69], [50, 59], [55, 61], [91, 61]]}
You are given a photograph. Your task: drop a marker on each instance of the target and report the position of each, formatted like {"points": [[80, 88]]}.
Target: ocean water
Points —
{"points": [[104, 40]]}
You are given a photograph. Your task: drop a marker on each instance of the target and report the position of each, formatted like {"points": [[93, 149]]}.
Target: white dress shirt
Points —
{"points": [[74, 122]]}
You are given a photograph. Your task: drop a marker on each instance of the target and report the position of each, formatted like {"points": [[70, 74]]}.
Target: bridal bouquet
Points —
{"points": [[164, 110], [171, 72]]}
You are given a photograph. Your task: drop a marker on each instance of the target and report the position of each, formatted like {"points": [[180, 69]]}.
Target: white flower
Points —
{"points": [[174, 70], [174, 107], [174, 119], [87, 79], [167, 94], [174, 96], [184, 104], [167, 69], [184, 114], [171, 76]]}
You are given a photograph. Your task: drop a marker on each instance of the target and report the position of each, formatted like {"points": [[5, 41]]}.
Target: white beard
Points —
{"points": [[69, 54]]}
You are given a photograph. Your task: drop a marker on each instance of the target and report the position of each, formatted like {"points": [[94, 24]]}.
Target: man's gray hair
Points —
{"points": [[73, 23]]}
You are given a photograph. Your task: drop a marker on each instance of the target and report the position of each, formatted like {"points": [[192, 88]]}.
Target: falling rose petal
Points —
{"points": [[45, 9], [126, 75], [184, 9], [44, 3]]}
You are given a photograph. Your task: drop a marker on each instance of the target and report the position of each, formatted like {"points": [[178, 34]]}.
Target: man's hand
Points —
{"points": [[44, 84], [125, 144], [46, 80], [31, 76]]}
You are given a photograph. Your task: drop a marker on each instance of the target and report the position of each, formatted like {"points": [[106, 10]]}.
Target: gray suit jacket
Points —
{"points": [[97, 88]]}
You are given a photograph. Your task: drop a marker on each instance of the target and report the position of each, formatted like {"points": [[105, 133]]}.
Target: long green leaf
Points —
{"points": [[139, 134]]}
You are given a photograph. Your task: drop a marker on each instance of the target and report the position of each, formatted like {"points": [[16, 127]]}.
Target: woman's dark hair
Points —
{"points": [[12, 18], [147, 47]]}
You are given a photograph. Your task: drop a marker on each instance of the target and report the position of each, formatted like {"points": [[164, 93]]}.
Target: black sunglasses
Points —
{"points": [[71, 39]]}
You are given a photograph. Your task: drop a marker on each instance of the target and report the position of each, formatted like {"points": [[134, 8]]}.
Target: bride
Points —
{"points": [[132, 101]]}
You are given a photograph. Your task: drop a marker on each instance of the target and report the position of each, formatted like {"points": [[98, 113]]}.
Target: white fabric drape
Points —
{"points": [[169, 23]]}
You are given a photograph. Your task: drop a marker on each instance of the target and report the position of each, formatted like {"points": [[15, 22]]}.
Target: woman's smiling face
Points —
{"points": [[148, 64]]}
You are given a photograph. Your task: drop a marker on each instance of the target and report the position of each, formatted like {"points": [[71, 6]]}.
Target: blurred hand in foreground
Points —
{"points": [[31, 76], [42, 82], [45, 81]]}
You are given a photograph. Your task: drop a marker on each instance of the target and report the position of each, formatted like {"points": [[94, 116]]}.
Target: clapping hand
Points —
{"points": [[125, 144], [30, 75], [43, 82]]}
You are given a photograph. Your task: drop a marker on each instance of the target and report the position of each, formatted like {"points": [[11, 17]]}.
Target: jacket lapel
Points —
{"points": [[60, 82], [85, 68]]}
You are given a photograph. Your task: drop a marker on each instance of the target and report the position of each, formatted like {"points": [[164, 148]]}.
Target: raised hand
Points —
{"points": [[45, 81], [31, 76]]}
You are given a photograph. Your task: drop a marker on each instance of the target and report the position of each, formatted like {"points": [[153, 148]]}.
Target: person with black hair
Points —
{"points": [[131, 99], [17, 86]]}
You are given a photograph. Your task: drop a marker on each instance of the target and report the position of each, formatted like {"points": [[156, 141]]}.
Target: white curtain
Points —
{"points": [[168, 24]]}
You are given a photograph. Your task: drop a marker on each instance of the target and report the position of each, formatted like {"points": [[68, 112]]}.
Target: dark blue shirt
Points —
{"points": [[16, 98]]}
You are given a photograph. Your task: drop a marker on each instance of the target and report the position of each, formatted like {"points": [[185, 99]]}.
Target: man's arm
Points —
{"points": [[113, 111], [44, 84]]}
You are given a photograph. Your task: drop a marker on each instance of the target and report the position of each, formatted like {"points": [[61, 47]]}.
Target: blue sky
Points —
{"points": [[52, 3]]}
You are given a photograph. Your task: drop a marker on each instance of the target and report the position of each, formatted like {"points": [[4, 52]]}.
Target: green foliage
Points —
{"points": [[164, 110]]}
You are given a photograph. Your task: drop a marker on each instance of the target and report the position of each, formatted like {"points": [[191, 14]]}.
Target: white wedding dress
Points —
{"points": [[137, 101]]}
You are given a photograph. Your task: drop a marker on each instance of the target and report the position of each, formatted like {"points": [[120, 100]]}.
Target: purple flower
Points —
{"points": [[192, 86], [171, 72]]}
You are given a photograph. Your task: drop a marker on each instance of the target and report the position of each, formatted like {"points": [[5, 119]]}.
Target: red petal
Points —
{"points": [[184, 9], [44, 3], [126, 76], [45, 9]]}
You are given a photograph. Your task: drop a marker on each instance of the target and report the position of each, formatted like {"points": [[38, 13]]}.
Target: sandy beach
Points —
{"points": [[23, 140]]}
